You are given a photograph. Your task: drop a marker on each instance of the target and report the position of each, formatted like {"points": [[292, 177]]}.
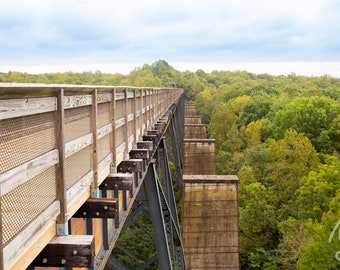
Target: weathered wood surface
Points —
{"points": [[98, 208], [21, 107], [67, 251], [117, 182], [130, 166], [26, 171]]}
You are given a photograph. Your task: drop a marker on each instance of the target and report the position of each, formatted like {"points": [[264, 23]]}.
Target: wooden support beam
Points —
{"points": [[67, 251], [159, 126], [130, 166], [97, 208], [117, 181], [150, 138], [153, 132], [148, 145], [139, 154]]}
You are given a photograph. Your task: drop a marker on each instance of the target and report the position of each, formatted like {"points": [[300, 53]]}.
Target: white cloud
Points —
{"points": [[103, 32]]}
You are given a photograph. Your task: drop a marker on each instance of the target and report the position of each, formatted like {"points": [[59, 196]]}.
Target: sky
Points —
{"points": [[262, 36]]}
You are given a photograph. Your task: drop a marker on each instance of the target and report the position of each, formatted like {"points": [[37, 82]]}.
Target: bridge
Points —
{"points": [[79, 163]]}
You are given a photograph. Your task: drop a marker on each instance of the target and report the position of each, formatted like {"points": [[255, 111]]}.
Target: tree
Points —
{"points": [[318, 188], [309, 116], [322, 250], [292, 158], [257, 223]]}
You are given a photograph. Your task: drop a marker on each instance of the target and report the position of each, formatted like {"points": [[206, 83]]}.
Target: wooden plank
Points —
{"points": [[78, 144], [119, 122], [150, 138], [145, 145], [77, 101], [139, 154], [67, 251], [26, 171], [97, 208], [154, 132], [103, 131], [118, 181], [21, 107], [19, 253], [130, 166], [74, 191]]}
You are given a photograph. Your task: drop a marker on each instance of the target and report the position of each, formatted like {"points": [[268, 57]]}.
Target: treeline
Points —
{"points": [[280, 135]]}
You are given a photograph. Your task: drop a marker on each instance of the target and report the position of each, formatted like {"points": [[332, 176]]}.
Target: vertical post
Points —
{"points": [[94, 110], [62, 226], [126, 117], [141, 112], [113, 133], [135, 116], [149, 111]]}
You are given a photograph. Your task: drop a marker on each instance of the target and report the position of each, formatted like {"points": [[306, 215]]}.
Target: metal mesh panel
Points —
{"points": [[119, 110], [103, 117], [103, 147], [24, 138], [77, 166], [77, 123], [21, 205]]}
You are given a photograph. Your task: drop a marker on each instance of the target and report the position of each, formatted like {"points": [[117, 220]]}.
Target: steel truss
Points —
{"points": [[156, 199]]}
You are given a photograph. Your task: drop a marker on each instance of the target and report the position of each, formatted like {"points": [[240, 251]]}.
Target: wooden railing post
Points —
{"points": [[62, 227], [113, 133], [141, 111], [94, 113], [126, 117], [135, 116]]}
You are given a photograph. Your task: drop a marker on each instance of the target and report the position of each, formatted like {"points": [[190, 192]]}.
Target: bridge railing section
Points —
{"points": [[58, 143]]}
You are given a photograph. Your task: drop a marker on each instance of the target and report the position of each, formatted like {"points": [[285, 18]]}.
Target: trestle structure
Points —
{"points": [[77, 165]]}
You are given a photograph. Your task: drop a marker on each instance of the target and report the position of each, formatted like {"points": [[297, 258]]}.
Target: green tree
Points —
{"points": [[292, 158], [322, 250], [310, 116], [318, 188], [257, 223]]}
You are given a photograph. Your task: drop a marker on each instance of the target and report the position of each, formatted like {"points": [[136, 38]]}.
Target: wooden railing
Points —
{"points": [[58, 143]]}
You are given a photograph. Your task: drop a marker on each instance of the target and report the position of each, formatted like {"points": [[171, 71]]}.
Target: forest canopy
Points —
{"points": [[279, 134]]}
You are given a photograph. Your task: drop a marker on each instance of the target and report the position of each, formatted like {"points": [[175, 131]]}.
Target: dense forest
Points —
{"points": [[280, 135]]}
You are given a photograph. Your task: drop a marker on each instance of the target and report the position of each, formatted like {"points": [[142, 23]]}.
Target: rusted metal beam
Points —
{"points": [[67, 251], [97, 208]]}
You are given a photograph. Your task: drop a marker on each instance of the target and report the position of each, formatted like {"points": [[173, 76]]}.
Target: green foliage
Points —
{"points": [[136, 245], [323, 247], [310, 116]]}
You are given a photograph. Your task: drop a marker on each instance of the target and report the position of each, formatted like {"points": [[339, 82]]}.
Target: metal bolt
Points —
{"points": [[75, 252], [63, 261], [44, 260], [97, 214], [84, 213], [116, 186], [106, 208]]}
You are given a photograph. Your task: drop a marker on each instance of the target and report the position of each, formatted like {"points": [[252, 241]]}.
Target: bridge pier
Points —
{"points": [[210, 226]]}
